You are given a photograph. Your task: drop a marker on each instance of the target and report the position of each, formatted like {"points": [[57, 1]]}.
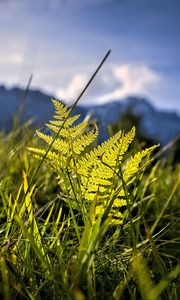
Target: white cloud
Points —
{"points": [[133, 80], [75, 86], [15, 59], [115, 83]]}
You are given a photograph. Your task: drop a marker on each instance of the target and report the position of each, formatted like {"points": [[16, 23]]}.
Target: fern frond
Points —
{"points": [[59, 145], [78, 129], [110, 151], [58, 161], [119, 203], [74, 131], [93, 176], [119, 149], [84, 141], [68, 122], [60, 108], [132, 166]]}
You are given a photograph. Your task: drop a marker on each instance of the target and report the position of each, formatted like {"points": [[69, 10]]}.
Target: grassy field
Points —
{"points": [[58, 243]]}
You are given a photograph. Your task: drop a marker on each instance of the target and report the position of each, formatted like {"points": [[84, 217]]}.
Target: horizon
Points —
{"points": [[93, 105]]}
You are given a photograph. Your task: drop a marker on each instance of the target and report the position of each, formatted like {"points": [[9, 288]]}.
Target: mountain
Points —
{"points": [[159, 126], [35, 105], [153, 124]]}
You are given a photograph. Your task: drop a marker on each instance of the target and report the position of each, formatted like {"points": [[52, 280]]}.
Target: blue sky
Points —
{"points": [[62, 41]]}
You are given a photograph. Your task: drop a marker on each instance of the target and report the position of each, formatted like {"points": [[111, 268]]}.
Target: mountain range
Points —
{"points": [[156, 125]]}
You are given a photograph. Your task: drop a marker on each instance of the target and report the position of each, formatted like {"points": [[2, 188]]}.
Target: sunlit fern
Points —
{"points": [[90, 174]]}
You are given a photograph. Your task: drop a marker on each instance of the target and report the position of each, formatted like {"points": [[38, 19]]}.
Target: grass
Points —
{"points": [[47, 251], [50, 250]]}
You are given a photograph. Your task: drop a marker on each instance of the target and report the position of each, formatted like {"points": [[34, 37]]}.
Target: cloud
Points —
{"points": [[115, 83], [133, 80], [101, 85], [74, 88], [15, 5], [15, 59]]}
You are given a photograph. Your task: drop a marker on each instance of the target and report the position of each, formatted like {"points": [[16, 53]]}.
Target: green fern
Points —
{"points": [[92, 176]]}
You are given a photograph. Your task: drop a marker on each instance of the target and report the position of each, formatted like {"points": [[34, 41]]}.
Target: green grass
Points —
{"points": [[49, 251]]}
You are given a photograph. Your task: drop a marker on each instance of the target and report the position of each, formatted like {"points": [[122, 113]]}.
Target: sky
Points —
{"points": [[62, 42]]}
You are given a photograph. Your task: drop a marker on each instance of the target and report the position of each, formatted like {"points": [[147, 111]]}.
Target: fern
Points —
{"points": [[88, 176]]}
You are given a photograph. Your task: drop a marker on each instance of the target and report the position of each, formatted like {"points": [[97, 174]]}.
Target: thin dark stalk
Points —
{"points": [[71, 110], [22, 100], [26, 91]]}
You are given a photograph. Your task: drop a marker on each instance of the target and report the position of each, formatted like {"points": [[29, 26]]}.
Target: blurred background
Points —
{"points": [[61, 42]]}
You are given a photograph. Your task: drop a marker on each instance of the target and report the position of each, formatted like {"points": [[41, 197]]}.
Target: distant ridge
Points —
{"points": [[157, 125]]}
